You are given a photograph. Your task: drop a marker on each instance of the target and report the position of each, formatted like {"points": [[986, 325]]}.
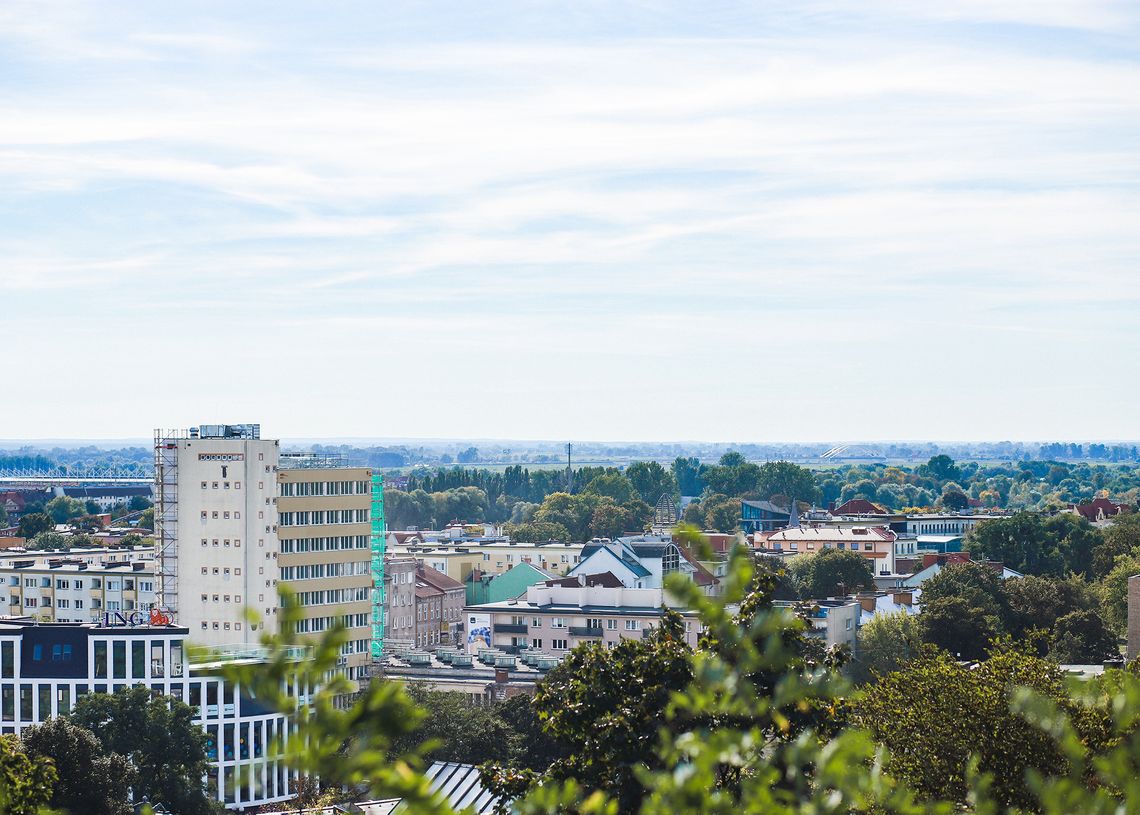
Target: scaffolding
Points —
{"points": [[378, 541], [166, 515]]}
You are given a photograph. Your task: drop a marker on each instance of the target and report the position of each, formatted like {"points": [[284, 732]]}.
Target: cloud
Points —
{"points": [[770, 178]]}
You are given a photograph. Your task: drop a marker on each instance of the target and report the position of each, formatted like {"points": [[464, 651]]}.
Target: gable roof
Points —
{"points": [[859, 506], [436, 578], [605, 579], [1098, 506]]}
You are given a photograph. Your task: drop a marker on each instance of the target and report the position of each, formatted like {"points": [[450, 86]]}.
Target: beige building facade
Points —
{"points": [[323, 529]]}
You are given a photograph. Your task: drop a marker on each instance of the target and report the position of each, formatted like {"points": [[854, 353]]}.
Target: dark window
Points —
{"points": [[101, 660], [119, 660], [37, 653]]}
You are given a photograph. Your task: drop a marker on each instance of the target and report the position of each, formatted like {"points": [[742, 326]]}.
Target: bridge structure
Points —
{"points": [[73, 477]]}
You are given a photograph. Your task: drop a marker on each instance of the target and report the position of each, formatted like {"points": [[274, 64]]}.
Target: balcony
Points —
{"points": [[585, 631], [510, 628]]}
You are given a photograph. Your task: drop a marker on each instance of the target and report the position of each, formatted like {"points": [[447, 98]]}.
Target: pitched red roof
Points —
{"points": [[436, 578], [1098, 507], [859, 506]]}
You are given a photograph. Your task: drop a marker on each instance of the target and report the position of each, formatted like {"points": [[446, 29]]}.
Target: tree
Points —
{"points": [[955, 626], [721, 513], [1114, 590], [943, 468], [612, 485], [954, 500], [786, 479], [606, 706], [887, 643], [537, 532], [609, 520], [831, 572], [573, 512], [34, 523], [461, 732], [1029, 544], [62, 509], [935, 714], [651, 481], [26, 782], [1119, 539], [1082, 638], [468, 456], [91, 780], [1036, 603], [146, 520], [161, 739], [687, 474], [138, 503]]}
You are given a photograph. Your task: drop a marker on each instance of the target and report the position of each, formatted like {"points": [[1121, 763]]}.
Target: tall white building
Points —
{"points": [[216, 529]]}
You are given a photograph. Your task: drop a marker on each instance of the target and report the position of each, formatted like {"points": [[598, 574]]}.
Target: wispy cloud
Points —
{"points": [[636, 190]]}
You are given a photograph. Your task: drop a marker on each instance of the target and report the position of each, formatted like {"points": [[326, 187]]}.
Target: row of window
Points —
{"points": [[323, 516], [224, 484], [305, 488], [69, 584], [332, 544], [316, 571], [332, 596], [64, 602]]}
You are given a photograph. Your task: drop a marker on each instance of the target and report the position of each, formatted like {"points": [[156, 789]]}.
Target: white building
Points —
{"points": [[46, 668], [216, 529]]}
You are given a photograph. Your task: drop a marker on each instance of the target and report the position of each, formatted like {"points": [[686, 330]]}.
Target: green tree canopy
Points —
{"points": [[887, 643], [934, 714], [160, 737], [612, 485], [1121, 538], [62, 509], [955, 626], [1082, 638], [831, 571], [651, 481], [1028, 543], [537, 532], [1035, 602], [34, 523], [91, 780], [26, 782]]}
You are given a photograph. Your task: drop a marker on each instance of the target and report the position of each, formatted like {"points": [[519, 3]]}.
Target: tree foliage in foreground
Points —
{"points": [[92, 780], [731, 744]]}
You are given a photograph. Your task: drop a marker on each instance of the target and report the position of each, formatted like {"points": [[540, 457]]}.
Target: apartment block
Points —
{"points": [[399, 600], [323, 528], [64, 589]]}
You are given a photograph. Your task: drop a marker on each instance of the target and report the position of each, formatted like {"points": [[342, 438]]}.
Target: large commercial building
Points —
{"points": [[216, 529], [45, 668], [234, 516], [324, 531]]}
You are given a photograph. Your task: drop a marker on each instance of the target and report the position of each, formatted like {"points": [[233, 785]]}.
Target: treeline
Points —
{"points": [[516, 494]]}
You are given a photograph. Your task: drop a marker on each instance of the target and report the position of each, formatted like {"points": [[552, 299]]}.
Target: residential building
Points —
{"points": [[835, 621], [1100, 510], [399, 601], [439, 607], [945, 523], [234, 517], [108, 496], [642, 562], [555, 616], [45, 668], [486, 587], [876, 543], [857, 506], [324, 534], [61, 588]]}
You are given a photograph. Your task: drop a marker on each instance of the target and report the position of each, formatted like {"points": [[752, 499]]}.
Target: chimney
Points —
{"points": [[867, 601], [501, 675], [830, 507], [903, 598]]}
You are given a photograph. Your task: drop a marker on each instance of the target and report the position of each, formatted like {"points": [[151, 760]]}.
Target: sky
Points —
{"points": [[800, 220]]}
